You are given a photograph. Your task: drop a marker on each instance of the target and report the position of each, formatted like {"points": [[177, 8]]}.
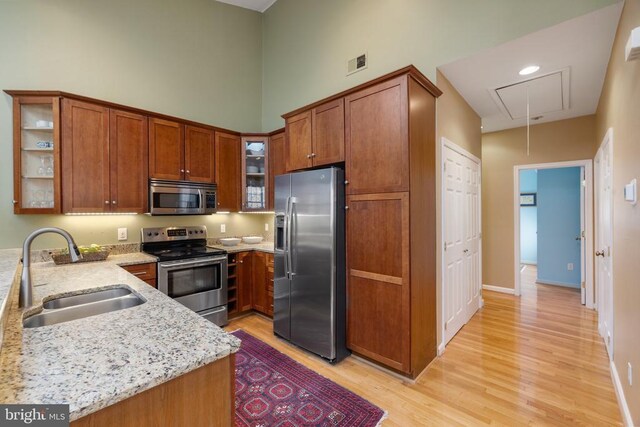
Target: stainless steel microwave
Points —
{"points": [[181, 198]]}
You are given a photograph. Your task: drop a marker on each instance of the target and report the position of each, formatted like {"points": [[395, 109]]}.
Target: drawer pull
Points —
{"points": [[138, 273]]}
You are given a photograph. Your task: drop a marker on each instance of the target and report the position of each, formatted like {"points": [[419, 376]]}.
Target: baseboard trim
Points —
{"points": [[500, 289], [441, 349], [554, 283], [622, 402]]}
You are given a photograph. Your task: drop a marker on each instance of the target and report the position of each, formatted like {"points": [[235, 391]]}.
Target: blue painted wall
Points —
{"points": [[528, 219], [558, 226]]}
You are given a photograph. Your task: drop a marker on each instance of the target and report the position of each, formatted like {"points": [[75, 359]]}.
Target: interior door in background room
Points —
{"points": [[461, 235]]}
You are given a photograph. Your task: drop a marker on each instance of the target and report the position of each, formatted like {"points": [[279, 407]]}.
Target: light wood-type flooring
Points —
{"points": [[534, 360]]}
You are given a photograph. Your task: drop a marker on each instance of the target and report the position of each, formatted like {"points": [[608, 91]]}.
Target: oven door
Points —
{"points": [[199, 283], [176, 199]]}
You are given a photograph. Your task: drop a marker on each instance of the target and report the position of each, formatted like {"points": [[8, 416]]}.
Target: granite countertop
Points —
{"points": [[244, 247], [97, 361]]}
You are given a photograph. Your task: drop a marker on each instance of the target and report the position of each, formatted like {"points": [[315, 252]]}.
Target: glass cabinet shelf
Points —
{"points": [[254, 173]]}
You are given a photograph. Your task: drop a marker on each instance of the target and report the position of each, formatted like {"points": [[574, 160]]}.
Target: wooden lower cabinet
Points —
{"points": [[203, 397], [259, 283], [250, 283], [244, 279], [378, 278], [145, 272]]}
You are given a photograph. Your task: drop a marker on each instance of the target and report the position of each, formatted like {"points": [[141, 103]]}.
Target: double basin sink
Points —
{"points": [[73, 307]]}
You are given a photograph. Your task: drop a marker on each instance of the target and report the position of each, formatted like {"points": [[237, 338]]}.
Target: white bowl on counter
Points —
{"points": [[252, 239], [230, 241]]}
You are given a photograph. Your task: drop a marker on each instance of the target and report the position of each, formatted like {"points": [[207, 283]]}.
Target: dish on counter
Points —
{"points": [[230, 241], [252, 239]]}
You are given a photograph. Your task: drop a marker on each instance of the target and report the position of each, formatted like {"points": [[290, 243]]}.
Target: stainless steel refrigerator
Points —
{"points": [[309, 306]]}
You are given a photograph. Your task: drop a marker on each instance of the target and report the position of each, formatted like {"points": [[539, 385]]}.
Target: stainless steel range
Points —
{"points": [[189, 271]]}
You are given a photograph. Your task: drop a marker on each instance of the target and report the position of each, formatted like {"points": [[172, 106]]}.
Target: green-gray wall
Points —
{"points": [[307, 42], [195, 59]]}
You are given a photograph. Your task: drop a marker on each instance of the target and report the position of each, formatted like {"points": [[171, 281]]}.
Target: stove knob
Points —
{"points": [[201, 232], [190, 232], [149, 234], [156, 233]]}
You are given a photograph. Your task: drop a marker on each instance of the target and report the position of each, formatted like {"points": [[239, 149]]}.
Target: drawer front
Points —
{"points": [[145, 272]]}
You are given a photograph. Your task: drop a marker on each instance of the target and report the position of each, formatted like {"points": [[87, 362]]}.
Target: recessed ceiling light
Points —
{"points": [[529, 70]]}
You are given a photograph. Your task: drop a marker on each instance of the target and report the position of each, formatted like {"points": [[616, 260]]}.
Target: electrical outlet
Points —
{"points": [[122, 234], [266, 226], [630, 373], [570, 266], [223, 228]]}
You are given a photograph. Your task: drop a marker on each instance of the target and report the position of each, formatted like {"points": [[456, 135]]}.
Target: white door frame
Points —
{"points": [[444, 142], [588, 212], [607, 142]]}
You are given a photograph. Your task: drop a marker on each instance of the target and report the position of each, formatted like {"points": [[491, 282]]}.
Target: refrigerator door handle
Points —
{"points": [[289, 257], [286, 246]]}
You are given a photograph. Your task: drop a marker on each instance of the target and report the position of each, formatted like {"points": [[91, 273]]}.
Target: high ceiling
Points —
{"points": [[257, 5], [572, 56]]}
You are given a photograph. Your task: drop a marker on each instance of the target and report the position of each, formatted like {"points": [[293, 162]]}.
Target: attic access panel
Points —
{"points": [[547, 94]]}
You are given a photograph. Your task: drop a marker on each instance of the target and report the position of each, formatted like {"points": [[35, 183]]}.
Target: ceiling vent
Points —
{"points": [[632, 50], [358, 63], [546, 94]]}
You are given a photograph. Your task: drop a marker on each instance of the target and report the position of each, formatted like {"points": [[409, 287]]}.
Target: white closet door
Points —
{"points": [[455, 280], [472, 236], [604, 241], [461, 235]]}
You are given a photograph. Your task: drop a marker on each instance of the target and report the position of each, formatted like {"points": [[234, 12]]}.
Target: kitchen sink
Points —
{"points": [[74, 307], [70, 301]]}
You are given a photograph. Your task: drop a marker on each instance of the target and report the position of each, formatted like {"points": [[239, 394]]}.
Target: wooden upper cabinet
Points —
{"points": [[166, 149], [228, 171], [85, 157], [199, 154], [298, 142], [378, 290], [377, 140], [129, 159], [36, 155], [277, 164], [328, 133]]}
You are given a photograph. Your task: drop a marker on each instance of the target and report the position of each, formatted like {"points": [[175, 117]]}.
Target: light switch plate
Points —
{"points": [[122, 234], [631, 192], [266, 226], [223, 228]]}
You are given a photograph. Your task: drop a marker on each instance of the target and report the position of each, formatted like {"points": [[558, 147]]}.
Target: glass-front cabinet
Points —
{"points": [[255, 172], [36, 155]]}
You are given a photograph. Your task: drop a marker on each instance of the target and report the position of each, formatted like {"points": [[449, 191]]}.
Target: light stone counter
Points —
{"points": [[97, 361], [244, 247]]}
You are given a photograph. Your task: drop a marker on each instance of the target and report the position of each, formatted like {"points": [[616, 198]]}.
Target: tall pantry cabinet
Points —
{"points": [[391, 222], [390, 171]]}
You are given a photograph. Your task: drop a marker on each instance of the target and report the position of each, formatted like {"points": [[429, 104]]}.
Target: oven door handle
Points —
{"points": [[192, 263]]}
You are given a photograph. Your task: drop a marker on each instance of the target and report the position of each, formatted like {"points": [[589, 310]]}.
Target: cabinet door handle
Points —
{"points": [[188, 171], [182, 170], [346, 182], [308, 156], [346, 208], [313, 154], [113, 202], [106, 202]]}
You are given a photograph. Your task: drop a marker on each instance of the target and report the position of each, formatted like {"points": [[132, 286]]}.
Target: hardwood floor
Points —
{"points": [[534, 360]]}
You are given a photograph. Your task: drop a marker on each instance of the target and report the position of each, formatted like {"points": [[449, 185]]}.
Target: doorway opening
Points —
{"points": [[553, 219]]}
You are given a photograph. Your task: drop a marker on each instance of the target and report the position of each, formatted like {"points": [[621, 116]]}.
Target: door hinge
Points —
{"points": [[445, 325], [583, 285], [445, 246]]}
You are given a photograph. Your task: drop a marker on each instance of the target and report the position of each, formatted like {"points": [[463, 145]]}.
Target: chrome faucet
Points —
{"points": [[26, 290]]}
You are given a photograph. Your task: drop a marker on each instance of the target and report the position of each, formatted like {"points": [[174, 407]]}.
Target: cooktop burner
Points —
{"points": [[175, 243]]}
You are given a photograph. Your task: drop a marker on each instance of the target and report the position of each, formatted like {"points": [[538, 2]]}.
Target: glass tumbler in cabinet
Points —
{"points": [[254, 173], [36, 133]]}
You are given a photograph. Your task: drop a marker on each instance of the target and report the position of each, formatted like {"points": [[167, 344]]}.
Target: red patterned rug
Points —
{"points": [[274, 390]]}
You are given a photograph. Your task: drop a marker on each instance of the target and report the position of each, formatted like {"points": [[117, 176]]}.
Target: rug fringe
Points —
{"points": [[384, 417]]}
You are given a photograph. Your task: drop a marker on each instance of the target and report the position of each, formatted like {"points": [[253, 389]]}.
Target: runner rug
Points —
{"points": [[274, 390]]}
